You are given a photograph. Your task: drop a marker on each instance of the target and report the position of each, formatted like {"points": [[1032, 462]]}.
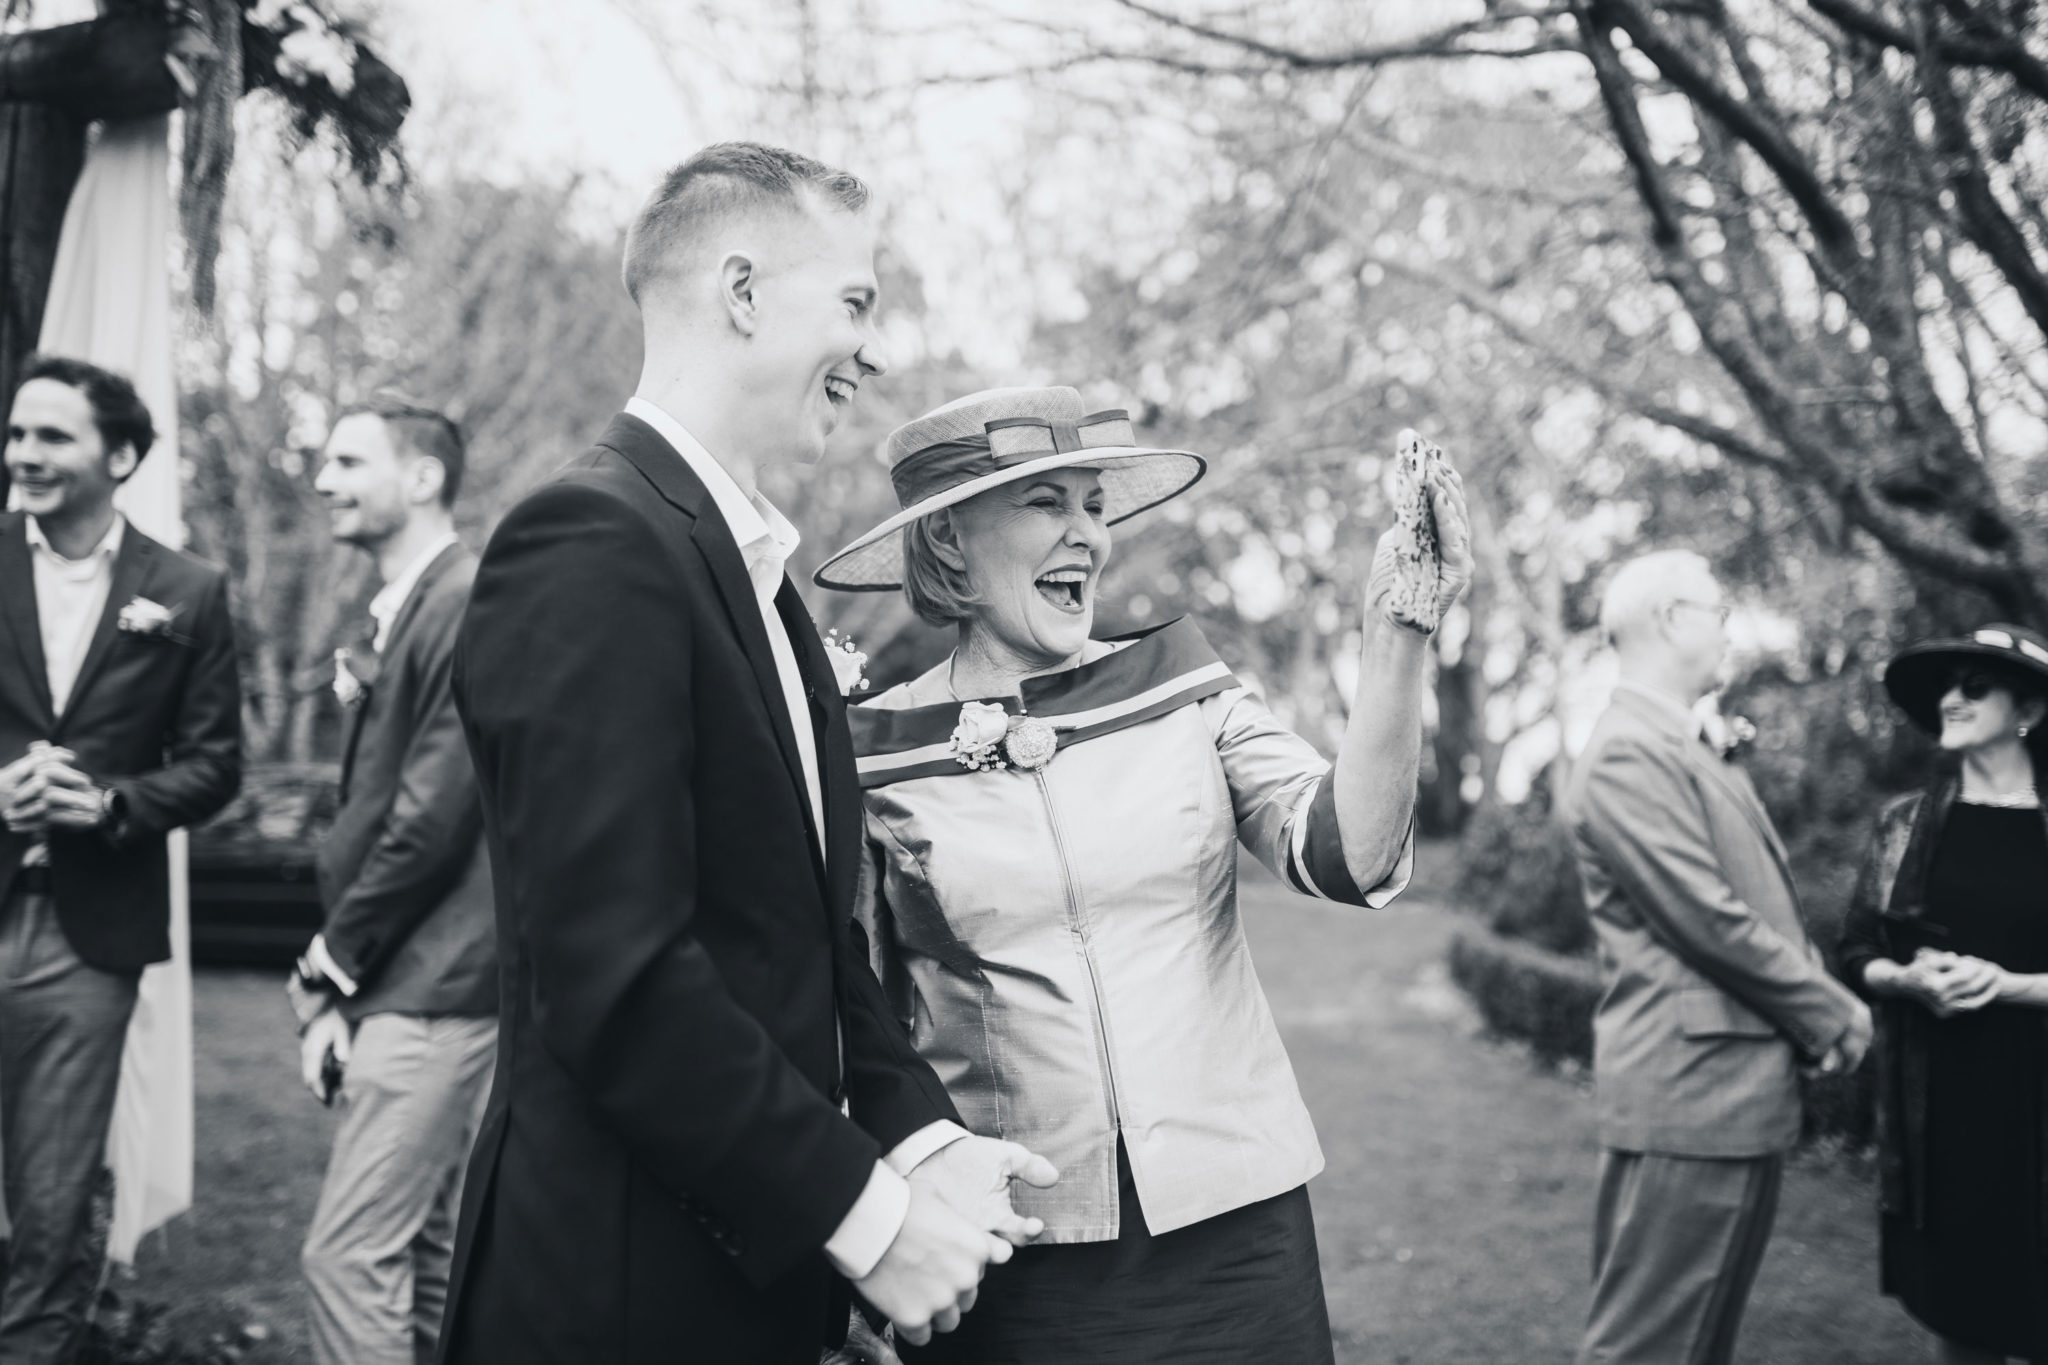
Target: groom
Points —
{"points": [[667, 1169]]}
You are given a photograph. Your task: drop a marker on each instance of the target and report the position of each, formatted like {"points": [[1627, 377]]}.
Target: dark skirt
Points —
{"points": [[1243, 1286]]}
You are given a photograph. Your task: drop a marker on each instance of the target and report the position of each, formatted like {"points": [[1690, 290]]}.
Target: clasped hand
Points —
{"points": [[1950, 983], [960, 1222], [41, 791]]}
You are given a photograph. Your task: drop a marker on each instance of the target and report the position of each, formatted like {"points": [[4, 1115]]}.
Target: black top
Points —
{"points": [[1976, 1272]]}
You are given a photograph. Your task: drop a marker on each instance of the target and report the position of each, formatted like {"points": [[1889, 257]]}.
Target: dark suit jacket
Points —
{"points": [[664, 1155], [403, 872], [1715, 993], [156, 717]]}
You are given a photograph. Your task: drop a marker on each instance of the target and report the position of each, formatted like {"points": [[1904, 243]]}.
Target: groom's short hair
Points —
{"points": [[726, 180]]}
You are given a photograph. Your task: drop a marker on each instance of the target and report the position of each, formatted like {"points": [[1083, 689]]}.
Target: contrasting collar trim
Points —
{"points": [[1159, 670], [752, 520], [109, 546]]}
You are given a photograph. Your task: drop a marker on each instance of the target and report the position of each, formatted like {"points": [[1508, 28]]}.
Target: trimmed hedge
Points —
{"points": [[1543, 998]]}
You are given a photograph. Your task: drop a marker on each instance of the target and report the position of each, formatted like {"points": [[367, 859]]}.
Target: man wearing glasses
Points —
{"points": [[397, 996], [1715, 997]]}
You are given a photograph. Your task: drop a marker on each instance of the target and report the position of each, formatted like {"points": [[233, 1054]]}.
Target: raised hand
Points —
{"points": [[973, 1174], [1441, 540], [930, 1274]]}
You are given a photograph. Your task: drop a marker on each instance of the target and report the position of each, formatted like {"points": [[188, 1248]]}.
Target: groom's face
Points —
{"points": [[815, 339]]}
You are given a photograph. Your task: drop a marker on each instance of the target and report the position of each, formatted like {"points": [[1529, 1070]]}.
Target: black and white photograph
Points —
{"points": [[1024, 682]]}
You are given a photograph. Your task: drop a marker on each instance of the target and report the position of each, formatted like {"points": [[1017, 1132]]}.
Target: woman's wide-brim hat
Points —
{"points": [[996, 437], [1922, 674]]}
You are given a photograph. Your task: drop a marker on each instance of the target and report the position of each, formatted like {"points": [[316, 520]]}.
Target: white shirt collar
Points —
{"points": [[109, 546], [1673, 707], [384, 607], [760, 529]]}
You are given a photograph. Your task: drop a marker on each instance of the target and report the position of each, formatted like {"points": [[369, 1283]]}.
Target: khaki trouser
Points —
{"points": [[62, 1026], [1676, 1245], [376, 1257]]}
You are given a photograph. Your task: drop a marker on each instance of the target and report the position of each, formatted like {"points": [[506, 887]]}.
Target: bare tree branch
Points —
{"points": [[1444, 42], [2010, 57]]}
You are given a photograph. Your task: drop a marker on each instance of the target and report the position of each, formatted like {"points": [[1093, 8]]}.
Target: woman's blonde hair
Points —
{"points": [[936, 591]]}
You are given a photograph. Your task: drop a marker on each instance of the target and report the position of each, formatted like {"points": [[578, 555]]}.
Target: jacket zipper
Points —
{"points": [[1080, 923]]}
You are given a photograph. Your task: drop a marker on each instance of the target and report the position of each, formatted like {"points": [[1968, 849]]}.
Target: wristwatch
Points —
{"points": [[112, 807]]}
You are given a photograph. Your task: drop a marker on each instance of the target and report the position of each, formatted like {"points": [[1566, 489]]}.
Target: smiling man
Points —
{"points": [[397, 996], [120, 720], [704, 1113]]}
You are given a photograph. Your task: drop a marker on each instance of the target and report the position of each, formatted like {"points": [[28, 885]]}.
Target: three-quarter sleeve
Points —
{"points": [[1286, 804]]}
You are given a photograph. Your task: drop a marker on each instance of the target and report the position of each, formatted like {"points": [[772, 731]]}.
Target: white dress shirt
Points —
{"points": [[71, 595], [767, 540], [392, 597]]}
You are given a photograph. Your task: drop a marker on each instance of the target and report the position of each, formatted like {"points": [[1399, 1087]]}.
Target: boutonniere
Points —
{"points": [[151, 620], [989, 737], [351, 680], [1727, 735], [848, 662]]}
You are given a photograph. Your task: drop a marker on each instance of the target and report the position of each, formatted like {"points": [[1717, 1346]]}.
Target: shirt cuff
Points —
{"points": [[871, 1225], [323, 962], [908, 1154]]}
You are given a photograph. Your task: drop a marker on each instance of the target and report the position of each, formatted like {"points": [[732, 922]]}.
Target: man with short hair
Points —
{"points": [[398, 994], [667, 1169], [120, 720], [1715, 996]]}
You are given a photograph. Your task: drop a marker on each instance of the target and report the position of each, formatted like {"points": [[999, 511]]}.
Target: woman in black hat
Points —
{"points": [[1948, 935]]}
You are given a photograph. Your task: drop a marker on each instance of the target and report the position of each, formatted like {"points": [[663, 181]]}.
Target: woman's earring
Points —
{"points": [[2023, 731]]}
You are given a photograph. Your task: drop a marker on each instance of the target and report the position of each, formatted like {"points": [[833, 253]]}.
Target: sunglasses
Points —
{"points": [[1974, 683]]}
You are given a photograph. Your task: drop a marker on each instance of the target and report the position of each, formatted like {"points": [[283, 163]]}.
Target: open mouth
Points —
{"points": [[839, 391], [1066, 589]]}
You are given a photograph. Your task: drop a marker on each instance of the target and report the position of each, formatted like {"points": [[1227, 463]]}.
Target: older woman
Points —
{"points": [[1051, 884], [1948, 933]]}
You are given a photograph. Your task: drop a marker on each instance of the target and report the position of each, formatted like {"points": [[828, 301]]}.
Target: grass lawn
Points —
{"points": [[1454, 1217]]}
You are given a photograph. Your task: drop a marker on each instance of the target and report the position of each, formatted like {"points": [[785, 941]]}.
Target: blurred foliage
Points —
{"points": [[1544, 999]]}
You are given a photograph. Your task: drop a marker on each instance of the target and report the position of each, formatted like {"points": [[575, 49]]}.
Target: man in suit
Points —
{"points": [[667, 1168], [1715, 996], [120, 720], [398, 994]]}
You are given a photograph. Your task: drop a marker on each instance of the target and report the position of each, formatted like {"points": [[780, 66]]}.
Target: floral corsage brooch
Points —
{"points": [[989, 737], [849, 662]]}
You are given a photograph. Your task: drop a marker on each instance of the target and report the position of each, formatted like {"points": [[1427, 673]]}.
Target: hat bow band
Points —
{"points": [[1005, 442]]}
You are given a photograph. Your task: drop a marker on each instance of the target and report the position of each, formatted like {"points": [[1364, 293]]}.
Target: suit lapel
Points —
{"points": [[1733, 781], [18, 606], [673, 478], [131, 577], [837, 776]]}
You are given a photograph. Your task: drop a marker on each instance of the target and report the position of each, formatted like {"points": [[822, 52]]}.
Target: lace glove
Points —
{"points": [[1423, 562]]}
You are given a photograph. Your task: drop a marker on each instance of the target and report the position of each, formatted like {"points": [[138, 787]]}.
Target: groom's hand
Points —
{"points": [[928, 1276], [973, 1175]]}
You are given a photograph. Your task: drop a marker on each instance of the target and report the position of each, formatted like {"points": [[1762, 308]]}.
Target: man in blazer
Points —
{"points": [[1715, 996], [120, 720], [398, 994], [667, 1169]]}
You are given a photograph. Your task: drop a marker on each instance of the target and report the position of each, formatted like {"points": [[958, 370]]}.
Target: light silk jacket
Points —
{"points": [[1064, 944]]}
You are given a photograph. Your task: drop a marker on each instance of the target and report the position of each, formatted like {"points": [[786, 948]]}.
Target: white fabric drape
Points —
{"points": [[110, 303]]}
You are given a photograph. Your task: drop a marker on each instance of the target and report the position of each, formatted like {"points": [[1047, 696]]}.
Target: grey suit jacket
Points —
{"points": [[1714, 993], [404, 874]]}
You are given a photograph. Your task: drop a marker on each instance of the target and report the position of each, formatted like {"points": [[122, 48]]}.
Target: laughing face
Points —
{"points": [[57, 457], [814, 337], [1979, 710], [1034, 552]]}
